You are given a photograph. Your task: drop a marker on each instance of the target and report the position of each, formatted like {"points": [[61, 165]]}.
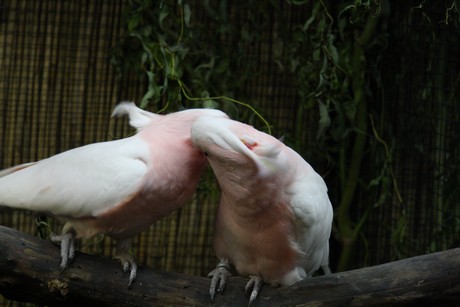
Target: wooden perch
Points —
{"points": [[29, 271]]}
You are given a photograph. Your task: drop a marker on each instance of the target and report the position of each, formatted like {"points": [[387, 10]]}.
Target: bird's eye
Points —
{"points": [[206, 154]]}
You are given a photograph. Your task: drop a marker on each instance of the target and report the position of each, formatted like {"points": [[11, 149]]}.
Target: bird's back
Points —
{"points": [[77, 183]]}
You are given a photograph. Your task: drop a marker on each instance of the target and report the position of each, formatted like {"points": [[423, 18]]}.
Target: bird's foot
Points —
{"points": [[127, 260], [128, 264], [219, 277], [253, 286], [67, 241]]}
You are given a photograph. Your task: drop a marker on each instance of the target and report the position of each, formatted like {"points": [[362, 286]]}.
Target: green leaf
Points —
{"points": [[132, 23], [332, 50], [324, 119], [147, 97], [187, 14], [312, 18], [223, 65], [298, 2], [210, 104], [163, 14]]}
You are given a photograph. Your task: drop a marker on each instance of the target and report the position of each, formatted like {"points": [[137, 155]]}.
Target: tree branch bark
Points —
{"points": [[29, 271]]}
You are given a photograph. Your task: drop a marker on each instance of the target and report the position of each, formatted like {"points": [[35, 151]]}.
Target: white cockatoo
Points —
{"points": [[119, 187], [274, 218]]}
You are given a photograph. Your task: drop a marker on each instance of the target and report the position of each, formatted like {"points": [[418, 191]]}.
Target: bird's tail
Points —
{"points": [[16, 168], [325, 261], [9, 171]]}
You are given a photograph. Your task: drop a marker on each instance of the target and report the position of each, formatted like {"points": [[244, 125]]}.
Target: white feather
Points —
{"points": [[81, 182], [313, 213], [138, 118]]}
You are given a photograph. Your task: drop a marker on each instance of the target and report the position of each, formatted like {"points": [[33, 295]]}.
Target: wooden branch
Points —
{"points": [[29, 271]]}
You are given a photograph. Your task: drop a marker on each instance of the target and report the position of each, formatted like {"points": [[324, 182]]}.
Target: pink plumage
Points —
{"points": [[274, 218]]}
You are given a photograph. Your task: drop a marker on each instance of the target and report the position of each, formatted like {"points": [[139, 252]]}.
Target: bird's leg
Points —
{"points": [[126, 259], [67, 241], [255, 284], [219, 277]]}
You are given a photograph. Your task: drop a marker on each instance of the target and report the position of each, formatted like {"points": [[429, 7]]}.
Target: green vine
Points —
{"points": [[169, 48]]}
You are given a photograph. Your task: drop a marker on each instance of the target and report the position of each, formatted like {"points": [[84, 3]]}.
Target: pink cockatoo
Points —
{"points": [[119, 187], [274, 218]]}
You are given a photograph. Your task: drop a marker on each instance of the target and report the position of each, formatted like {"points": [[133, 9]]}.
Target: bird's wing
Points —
{"points": [[81, 182], [313, 216], [309, 201]]}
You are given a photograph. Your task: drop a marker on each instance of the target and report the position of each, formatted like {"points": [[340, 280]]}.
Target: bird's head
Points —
{"points": [[233, 145]]}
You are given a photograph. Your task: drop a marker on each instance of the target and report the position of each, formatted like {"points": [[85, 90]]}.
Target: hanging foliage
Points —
{"points": [[183, 62]]}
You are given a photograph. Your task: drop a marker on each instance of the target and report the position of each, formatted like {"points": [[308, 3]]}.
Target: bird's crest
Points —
{"points": [[138, 118]]}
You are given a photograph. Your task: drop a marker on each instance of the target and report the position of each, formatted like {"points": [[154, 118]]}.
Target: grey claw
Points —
{"points": [[212, 288], [129, 265], [219, 278], [255, 283], [133, 273], [212, 294], [126, 259], [125, 266], [67, 241]]}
